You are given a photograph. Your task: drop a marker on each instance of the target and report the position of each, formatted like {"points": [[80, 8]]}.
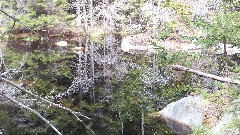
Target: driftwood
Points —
{"points": [[215, 77]]}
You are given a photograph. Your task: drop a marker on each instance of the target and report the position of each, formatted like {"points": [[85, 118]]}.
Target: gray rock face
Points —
{"points": [[184, 113], [188, 112]]}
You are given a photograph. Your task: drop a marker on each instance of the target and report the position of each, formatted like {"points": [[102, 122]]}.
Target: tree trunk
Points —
{"points": [[92, 53], [142, 122], [225, 46], [122, 126], [215, 77]]}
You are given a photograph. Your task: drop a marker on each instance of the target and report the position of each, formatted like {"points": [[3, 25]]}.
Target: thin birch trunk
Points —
{"points": [[122, 125], [142, 122], [92, 51]]}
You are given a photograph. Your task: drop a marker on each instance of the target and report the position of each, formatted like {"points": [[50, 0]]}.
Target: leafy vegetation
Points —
{"points": [[201, 130], [181, 9], [84, 76], [224, 28]]}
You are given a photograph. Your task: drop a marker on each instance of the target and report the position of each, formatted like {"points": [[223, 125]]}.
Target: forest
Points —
{"points": [[119, 67]]}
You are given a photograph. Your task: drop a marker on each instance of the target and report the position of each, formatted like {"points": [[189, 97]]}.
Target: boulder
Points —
{"points": [[184, 114], [193, 111]]}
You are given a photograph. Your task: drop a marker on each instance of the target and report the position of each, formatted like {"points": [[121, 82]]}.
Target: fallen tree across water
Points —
{"points": [[215, 77]]}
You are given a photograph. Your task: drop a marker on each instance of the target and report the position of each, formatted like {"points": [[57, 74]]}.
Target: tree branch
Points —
{"points": [[21, 105], [9, 71], [17, 20], [215, 77], [51, 103], [45, 100]]}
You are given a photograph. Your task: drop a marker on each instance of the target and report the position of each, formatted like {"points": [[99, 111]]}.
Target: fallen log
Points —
{"points": [[215, 77]]}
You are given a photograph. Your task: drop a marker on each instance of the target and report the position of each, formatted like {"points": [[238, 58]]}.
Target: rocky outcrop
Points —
{"points": [[141, 42]]}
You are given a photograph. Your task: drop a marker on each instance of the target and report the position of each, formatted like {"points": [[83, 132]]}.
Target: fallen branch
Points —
{"points": [[45, 100], [215, 77], [9, 71], [25, 25], [17, 20], [21, 105], [49, 102]]}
